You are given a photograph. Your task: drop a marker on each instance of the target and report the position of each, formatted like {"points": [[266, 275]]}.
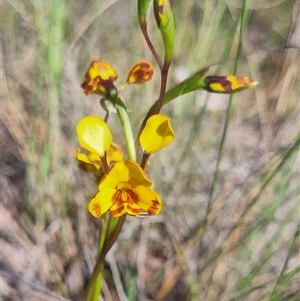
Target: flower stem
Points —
{"points": [[96, 278], [104, 164], [112, 221], [163, 85], [144, 160], [126, 126], [150, 45], [97, 287], [102, 232]]}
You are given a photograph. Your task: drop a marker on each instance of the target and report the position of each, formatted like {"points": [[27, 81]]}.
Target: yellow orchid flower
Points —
{"points": [[125, 189], [100, 79], [157, 134]]}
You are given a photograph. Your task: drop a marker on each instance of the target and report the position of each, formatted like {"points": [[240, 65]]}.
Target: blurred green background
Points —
{"points": [[245, 244]]}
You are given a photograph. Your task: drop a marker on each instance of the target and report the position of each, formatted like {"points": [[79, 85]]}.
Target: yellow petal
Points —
{"points": [[125, 171], [82, 157], [148, 200], [102, 202], [114, 154], [94, 135], [90, 158], [241, 83], [119, 209], [156, 134], [102, 69], [95, 159], [133, 209]]}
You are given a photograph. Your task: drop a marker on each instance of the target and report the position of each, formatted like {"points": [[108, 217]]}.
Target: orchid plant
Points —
{"points": [[124, 187]]}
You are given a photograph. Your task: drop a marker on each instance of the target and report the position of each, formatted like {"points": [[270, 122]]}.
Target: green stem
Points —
{"points": [[112, 221], [102, 232], [96, 278], [97, 287], [126, 126], [96, 290]]}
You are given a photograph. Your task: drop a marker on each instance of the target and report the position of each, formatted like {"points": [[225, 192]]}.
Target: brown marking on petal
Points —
{"points": [[138, 76], [135, 211], [84, 84], [125, 198], [140, 73], [116, 211], [226, 84], [130, 200], [218, 84], [89, 86], [241, 83], [246, 81], [95, 80], [96, 209], [160, 6], [132, 197], [88, 90], [117, 198], [236, 82], [160, 10], [154, 207]]}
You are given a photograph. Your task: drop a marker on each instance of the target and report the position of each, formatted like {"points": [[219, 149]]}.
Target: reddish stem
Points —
{"points": [[144, 160], [163, 85], [150, 45], [104, 163]]}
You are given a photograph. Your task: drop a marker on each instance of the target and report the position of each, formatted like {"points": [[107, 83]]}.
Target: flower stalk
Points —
{"points": [[126, 127], [95, 280]]}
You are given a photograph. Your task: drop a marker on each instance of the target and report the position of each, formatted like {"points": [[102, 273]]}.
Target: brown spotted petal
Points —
{"points": [[140, 73], [228, 84]]}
